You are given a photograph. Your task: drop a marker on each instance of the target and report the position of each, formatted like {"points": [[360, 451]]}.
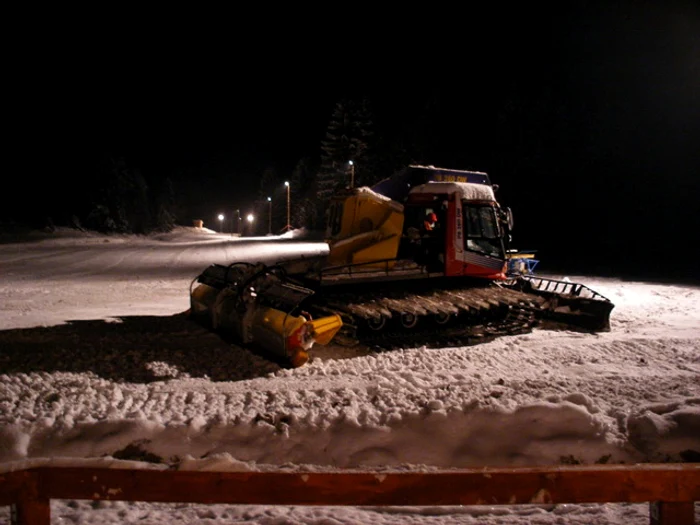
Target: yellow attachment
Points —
{"points": [[299, 358], [290, 336], [201, 299], [325, 328], [364, 227]]}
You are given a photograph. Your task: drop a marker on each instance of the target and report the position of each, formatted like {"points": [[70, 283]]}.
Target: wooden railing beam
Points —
{"points": [[465, 487], [671, 488]]}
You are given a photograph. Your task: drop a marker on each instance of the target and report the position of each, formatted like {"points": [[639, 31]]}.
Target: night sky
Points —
{"points": [[602, 97]]}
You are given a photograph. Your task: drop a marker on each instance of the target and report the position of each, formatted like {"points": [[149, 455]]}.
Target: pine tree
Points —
{"points": [[136, 203], [165, 206], [388, 155], [302, 187], [121, 202], [348, 137]]}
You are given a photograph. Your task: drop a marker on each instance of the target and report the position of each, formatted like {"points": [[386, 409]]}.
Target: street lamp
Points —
{"points": [[269, 215], [221, 222], [238, 224], [288, 226], [352, 174], [250, 218]]}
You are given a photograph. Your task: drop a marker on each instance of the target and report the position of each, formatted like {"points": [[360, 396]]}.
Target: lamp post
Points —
{"points": [[221, 222], [250, 219], [238, 224], [269, 215], [288, 226], [352, 174]]}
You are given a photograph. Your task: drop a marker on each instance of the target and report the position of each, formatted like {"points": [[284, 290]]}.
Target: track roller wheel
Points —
{"points": [[408, 320], [442, 318], [375, 323]]}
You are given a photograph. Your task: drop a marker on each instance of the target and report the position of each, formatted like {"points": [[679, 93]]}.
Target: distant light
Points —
{"points": [[351, 162], [269, 199], [286, 183], [221, 216], [250, 217]]}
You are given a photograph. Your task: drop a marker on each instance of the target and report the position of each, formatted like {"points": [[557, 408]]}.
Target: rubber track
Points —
{"points": [[476, 315]]}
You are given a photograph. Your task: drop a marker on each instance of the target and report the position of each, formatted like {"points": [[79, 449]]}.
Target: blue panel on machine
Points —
{"points": [[474, 177], [398, 185]]}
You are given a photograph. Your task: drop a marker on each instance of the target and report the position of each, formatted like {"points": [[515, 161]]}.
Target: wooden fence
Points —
{"points": [[671, 489]]}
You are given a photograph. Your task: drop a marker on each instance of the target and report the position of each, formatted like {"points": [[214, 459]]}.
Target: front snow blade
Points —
{"points": [[571, 304]]}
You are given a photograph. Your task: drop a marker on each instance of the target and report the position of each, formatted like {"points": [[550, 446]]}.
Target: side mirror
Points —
{"points": [[509, 218], [495, 187]]}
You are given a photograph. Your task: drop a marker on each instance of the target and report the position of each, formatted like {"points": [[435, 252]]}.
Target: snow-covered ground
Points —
{"points": [[99, 363]]}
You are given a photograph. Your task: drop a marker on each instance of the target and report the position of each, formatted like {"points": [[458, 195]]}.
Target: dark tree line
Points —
{"points": [[354, 150], [123, 201], [520, 132], [351, 152], [124, 194]]}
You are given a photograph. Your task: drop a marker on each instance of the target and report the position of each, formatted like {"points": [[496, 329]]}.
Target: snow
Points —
{"points": [[369, 192], [466, 190], [99, 365], [431, 167]]}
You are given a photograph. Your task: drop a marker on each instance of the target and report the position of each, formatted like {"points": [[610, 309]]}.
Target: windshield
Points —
{"points": [[482, 231]]}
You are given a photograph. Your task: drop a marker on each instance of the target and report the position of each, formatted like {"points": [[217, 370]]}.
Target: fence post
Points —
{"points": [[31, 511], [671, 513], [32, 506]]}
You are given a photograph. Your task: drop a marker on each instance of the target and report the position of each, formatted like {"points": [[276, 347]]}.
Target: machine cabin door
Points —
{"points": [[427, 229], [475, 246]]}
